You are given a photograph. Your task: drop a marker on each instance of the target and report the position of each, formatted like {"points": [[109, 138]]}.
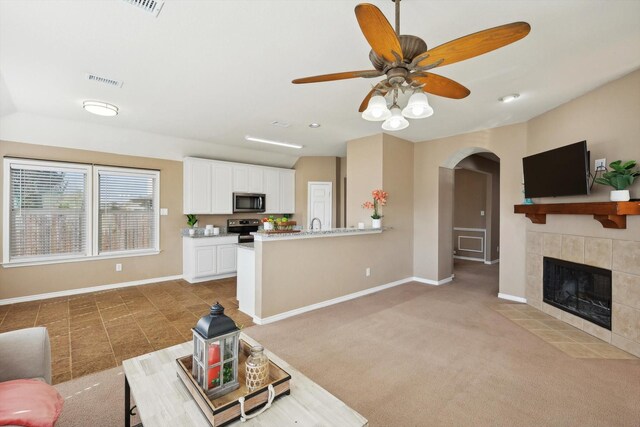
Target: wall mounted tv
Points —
{"points": [[563, 171]]}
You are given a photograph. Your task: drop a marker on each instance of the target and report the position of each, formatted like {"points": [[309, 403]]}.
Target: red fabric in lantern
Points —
{"points": [[214, 357]]}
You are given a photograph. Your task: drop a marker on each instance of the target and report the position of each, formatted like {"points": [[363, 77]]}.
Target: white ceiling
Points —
{"points": [[204, 74]]}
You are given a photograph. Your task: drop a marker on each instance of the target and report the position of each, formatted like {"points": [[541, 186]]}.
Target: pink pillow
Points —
{"points": [[29, 403]]}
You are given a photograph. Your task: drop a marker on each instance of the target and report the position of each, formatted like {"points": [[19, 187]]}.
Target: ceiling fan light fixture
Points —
{"points": [[396, 121], [100, 108], [377, 109], [418, 107]]}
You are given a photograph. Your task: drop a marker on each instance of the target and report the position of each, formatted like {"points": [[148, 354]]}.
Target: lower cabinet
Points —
{"points": [[208, 258]]}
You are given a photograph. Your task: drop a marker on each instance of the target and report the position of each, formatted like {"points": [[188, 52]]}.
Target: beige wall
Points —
{"points": [[432, 241], [23, 281], [364, 174], [470, 197], [320, 169], [608, 118]]}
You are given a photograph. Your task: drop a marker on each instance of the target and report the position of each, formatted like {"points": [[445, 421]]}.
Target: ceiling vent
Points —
{"points": [[280, 124], [104, 80], [150, 6]]}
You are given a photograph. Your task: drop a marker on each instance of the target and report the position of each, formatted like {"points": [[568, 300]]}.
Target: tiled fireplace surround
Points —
{"points": [[622, 257]]}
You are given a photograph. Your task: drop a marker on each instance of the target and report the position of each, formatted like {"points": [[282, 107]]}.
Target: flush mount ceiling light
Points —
{"points": [[268, 141], [509, 98], [100, 108], [314, 125]]}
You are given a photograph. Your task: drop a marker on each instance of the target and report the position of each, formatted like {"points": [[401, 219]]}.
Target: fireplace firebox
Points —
{"points": [[579, 289]]}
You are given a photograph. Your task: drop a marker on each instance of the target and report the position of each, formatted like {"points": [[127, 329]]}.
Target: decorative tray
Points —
{"points": [[225, 409]]}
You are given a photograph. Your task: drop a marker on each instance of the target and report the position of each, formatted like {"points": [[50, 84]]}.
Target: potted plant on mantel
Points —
{"points": [[379, 199], [620, 178]]}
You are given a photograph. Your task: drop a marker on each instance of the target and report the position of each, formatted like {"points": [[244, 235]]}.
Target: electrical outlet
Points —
{"points": [[481, 213], [367, 272], [118, 267], [601, 164]]}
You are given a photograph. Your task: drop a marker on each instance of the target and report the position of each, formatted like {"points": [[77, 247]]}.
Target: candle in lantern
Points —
{"points": [[214, 373]]}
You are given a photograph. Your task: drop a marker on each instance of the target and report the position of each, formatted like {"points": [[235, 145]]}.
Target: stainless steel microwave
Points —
{"points": [[248, 202]]}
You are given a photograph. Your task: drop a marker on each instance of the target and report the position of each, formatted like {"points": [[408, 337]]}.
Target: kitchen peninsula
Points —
{"points": [[281, 275]]}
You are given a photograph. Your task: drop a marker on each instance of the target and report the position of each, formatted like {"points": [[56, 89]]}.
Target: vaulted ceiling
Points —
{"points": [[203, 74]]}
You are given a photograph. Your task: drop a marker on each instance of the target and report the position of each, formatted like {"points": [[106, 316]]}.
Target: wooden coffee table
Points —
{"points": [[163, 400]]}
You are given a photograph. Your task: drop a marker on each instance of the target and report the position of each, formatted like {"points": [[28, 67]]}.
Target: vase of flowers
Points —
{"points": [[379, 199]]}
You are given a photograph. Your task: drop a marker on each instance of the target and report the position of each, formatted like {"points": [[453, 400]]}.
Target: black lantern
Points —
{"points": [[215, 353]]}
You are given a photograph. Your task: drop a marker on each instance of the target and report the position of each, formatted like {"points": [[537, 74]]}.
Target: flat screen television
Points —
{"points": [[562, 171]]}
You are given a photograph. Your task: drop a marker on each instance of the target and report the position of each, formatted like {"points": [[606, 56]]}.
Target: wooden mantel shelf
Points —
{"points": [[609, 214]]}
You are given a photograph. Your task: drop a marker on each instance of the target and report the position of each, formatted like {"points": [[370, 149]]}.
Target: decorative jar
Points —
{"points": [[257, 368]]}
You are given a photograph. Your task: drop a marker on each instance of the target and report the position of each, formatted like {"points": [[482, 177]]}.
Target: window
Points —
{"points": [[127, 211], [64, 211]]}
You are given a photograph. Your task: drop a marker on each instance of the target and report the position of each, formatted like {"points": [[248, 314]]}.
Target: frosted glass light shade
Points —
{"points": [[377, 110], [396, 121], [418, 107], [100, 108]]}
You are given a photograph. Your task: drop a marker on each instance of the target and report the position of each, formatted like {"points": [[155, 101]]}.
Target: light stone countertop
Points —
{"points": [[261, 236], [200, 234]]}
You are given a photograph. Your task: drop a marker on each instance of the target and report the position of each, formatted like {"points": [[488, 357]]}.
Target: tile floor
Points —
{"points": [[96, 331], [570, 340]]}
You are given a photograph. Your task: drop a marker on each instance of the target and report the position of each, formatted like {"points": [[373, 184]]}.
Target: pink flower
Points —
{"points": [[367, 205], [379, 199]]}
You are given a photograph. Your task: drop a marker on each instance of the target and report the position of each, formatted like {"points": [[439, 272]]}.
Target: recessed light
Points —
{"points": [[100, 108], [268, 141], [280, 124], [509, 98], [314, 125]]}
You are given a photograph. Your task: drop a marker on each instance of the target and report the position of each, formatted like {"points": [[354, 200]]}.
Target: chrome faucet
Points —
{"points": [[312, 222]]}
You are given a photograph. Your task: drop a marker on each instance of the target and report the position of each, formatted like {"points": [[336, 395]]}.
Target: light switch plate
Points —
{"points": [[481, 213], [164, 211]]}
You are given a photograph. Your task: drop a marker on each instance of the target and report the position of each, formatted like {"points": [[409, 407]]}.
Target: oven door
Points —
{"points": [[248, 202]]}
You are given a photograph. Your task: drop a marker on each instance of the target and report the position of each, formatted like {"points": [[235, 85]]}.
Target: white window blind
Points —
{"points": [[127, 210], [48, 210]]}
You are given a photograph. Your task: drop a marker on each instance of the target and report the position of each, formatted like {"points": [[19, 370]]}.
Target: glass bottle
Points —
{"points": [[257, 367]]}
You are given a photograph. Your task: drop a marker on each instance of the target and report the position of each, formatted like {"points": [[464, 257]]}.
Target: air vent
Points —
{"points": [[280, 124], [150, 6], [104, 80]]}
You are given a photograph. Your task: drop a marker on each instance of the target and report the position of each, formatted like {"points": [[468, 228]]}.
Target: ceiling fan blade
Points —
{"points": [[476, 44], [441, 86], [365, 101], [378, 32], [338, 76]]}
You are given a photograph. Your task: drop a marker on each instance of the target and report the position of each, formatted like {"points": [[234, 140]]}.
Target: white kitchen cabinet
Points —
{"points": [[208, 258], [226, 258], [209, 186], [197, 186], [272, 190], [247, 179], [287, 191], [222, 198]]}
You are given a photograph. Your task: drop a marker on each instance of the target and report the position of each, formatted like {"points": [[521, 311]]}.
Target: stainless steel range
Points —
{"points": [[244, 227]]}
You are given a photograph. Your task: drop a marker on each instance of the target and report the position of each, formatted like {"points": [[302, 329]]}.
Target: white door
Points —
{"points": [[222, 194], [272, 190], [205, 261], [226, 259], [287, 191], [320, 205]]}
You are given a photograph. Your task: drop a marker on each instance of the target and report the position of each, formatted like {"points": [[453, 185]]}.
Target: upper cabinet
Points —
{"points": [[209, 186]]}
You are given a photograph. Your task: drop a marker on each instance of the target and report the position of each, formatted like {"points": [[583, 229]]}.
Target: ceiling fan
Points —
{"points": [[405, 61]]}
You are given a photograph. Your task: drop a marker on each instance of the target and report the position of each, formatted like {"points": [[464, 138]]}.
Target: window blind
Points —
{"points": [[127, 210], [48, 211]]}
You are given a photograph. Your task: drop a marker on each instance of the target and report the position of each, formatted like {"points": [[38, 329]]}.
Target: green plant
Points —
{"points": [[191, 220], [622, 175]]}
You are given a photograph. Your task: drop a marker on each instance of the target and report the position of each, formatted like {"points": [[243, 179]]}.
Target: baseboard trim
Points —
{"points": [[87, 290], [495, 261], [305, 309], [511, 298], [432, 282], [468, 258]]}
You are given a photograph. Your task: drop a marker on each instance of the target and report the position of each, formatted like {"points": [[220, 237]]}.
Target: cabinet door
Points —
{"points": [[287, 191], [240, 178], [222, 193], [272, 190], [226, 258], [256, 176], [204, 259], [197, 187]]}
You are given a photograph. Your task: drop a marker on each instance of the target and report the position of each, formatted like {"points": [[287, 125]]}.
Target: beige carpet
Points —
{"points": [[95, 400], [419, 355]]}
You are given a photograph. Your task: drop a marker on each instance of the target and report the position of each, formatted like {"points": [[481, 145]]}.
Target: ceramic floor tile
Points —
{"points": [[577, 350], [93, 365], [60, 377], [608, 351], [552, 336], [531, 324], [582, 337]]}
